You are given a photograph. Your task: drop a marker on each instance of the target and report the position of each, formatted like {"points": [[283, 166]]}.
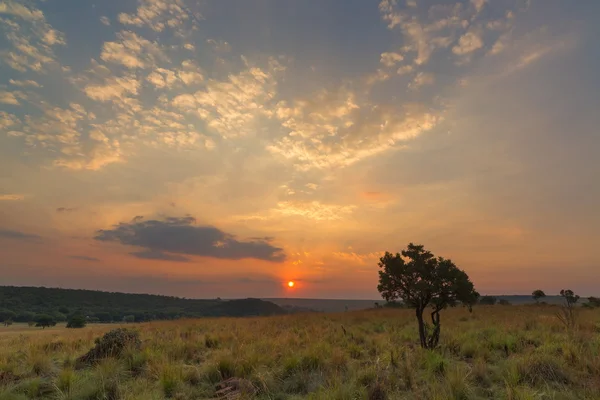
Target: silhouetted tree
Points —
{"points": [[504, 302], [488, 300], [567, 313], [421, 280], [537, 295]]}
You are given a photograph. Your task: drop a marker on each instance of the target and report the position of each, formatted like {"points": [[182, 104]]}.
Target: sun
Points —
{"points": [[291, 284]]}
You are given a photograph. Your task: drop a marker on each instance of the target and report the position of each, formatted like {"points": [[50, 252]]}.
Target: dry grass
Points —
{"points": [[517, 352]]}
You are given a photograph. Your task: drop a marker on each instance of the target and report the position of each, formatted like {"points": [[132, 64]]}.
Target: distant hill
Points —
{"points": [[324, 305], [22, 304], [335, 305]]}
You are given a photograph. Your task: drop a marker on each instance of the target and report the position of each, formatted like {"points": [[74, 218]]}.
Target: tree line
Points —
{"points": [[47, 306]]}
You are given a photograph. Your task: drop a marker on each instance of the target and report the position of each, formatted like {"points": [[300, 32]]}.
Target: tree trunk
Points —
{"points": [[434, 339], [422, 333]]}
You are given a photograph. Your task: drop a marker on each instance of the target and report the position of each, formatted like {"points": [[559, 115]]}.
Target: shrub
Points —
{"points": [[112, 344], [76, 322]]}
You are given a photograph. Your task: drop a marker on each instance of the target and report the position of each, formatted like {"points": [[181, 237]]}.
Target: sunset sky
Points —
{"points": [[223, 148]]}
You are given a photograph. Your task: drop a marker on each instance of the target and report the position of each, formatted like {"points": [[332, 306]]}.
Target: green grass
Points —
{"points": [[519, 352]]}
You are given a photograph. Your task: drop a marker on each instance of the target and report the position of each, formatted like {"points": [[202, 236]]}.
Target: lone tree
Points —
{"points": [[421, 280], [537, 295]]}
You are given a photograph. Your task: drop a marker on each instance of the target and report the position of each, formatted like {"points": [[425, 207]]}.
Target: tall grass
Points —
{"points": [[519, 352]]}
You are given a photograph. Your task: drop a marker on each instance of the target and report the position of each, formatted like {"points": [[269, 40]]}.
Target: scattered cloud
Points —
{"points": [[104, 20], [11, 197], [359, 258], [333, 129], [159, 255], [131, 51], [8, 98], [18, 235], [180, 236], [219, 45], [230, 107], [65, 209], [158, 14], [30, 37], [422, 79], [468, 43], [405, 69], [85, 258], [314, 210], [24, 83], [391, 59]]}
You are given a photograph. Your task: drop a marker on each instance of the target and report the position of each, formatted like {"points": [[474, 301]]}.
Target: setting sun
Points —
{"points": [[291, 284]]}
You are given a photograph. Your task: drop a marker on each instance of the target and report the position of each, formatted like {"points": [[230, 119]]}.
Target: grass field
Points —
{"points": [[497, 352]]}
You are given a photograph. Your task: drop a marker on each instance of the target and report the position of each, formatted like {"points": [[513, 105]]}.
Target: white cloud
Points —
{"points": [[479, 4], [24, 83], [405, 69], [31, 38], [113, 88], [162, 78], [231, 107], [104, 20], [19, 10], [468, 43], [190, 73], [314, 210], [8, 98], [8, 120], [11, 197], [422, 79], [157, 14], [390, 59], [132, 51], [332, 129]]}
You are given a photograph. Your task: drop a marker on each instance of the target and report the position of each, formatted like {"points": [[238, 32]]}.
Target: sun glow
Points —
{"points": [[291, 284]]}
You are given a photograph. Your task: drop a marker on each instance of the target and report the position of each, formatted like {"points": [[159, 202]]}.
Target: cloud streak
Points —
{"points": [[18, 235]]}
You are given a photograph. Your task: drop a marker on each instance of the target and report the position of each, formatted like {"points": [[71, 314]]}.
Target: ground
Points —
{"points": [[496, 352]]}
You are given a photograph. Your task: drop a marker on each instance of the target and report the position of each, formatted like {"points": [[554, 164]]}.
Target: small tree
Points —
{"points": [[567, 314], [44, 321], [421, 280], [6, 315], [537, 295], [76, 321], [8, 322]]}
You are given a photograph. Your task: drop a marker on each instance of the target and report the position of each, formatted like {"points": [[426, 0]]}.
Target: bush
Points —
{"points": [[76, 322], [112, 344]]}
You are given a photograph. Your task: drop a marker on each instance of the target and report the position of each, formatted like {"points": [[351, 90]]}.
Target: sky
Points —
{"points": [[223, 148]]}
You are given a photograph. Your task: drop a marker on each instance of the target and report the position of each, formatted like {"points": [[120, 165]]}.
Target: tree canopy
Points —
{"points": [[538, 294], [421, 280]]}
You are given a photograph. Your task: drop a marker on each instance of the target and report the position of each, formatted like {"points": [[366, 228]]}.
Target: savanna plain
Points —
{"points": [[494, 352]]}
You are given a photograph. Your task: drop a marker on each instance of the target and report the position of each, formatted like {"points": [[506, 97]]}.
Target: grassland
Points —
{"points": [[497, 352]]}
